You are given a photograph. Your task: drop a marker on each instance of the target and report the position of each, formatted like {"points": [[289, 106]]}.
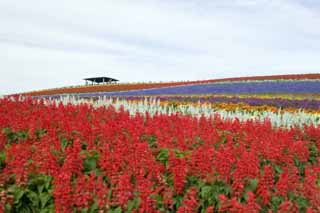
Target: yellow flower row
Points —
{"points": [[234, 107]]}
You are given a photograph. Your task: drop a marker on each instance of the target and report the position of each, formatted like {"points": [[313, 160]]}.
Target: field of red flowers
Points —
{"points": [[68, 158]]}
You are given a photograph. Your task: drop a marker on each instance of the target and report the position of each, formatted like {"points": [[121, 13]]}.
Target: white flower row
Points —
{"points": [[153, 106]]}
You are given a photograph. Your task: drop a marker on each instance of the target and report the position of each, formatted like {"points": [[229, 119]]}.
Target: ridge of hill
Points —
{"points": [[138, 86]]}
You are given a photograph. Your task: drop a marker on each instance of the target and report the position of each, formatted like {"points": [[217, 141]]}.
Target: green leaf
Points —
{"points": [[133, 204], [205, 192], [64, 143], [90, 164], [117, 210], [275, 202], [2, 159], [163, 156], [152, 141], [12, 137], [33, 197], [94, 208], [25, 209], [253, 183], [193, 181], [18, 193], [23, 135], [177, 200], [313, 156], [301, 201], [44, 198], [84, 210], [40, 132], [8, 208], [300, 166], [277, 169], [40, 188], [8, 133], [159, 201], [179, 154], [47, 209], [48, 180]]}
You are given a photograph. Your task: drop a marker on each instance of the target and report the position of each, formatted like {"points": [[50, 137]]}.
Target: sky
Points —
{"points": [[48, 44]]}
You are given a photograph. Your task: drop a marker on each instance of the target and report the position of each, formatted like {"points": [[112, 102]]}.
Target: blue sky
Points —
{"points": [[45, 44]]}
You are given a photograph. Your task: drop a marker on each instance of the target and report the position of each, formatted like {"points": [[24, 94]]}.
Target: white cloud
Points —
{"points": [[55, 43]]}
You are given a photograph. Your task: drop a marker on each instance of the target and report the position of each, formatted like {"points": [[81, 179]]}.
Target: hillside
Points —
{"points": [[142, 86]]}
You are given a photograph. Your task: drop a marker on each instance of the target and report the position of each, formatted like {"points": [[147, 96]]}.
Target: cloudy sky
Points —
{"points": [[45, 43]]}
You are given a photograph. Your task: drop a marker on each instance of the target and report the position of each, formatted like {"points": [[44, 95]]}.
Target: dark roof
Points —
{"points": [[100, 79]]}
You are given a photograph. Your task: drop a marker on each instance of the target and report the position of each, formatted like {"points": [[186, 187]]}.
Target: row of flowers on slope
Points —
{"points": [[230, 107], [139, 86], [242, 107], [68, 158], [287, 96], [278, 117], [251, 87], [308, 104], [104, 88]]}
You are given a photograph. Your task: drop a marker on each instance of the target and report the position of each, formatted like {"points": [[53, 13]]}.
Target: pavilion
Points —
{"points": [[99, 80]]}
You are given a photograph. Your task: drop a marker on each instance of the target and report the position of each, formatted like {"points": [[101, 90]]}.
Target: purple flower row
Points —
{"points": [[292, 87], [276, 102]]}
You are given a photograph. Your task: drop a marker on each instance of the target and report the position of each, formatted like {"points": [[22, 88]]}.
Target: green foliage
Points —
{"points": [[278, 170], [159, 204], [180, 154], [177, 201], [94, 208], [275, 202], [15, 137], [300, 166], [40, 133], [199, 142], [314, 155], [163, 156], [2, 159], [36, 196], [301, 201], [151, 140], [90, 162], [64, 143], [208, 192], [133, 204], [250, 186], [115, 210]]}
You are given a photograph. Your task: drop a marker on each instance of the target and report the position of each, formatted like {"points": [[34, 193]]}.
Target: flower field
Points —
{"points": [[103, 88], [256, 87], [311, 104], [140, 86], [278, 117], [242, 145]]}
